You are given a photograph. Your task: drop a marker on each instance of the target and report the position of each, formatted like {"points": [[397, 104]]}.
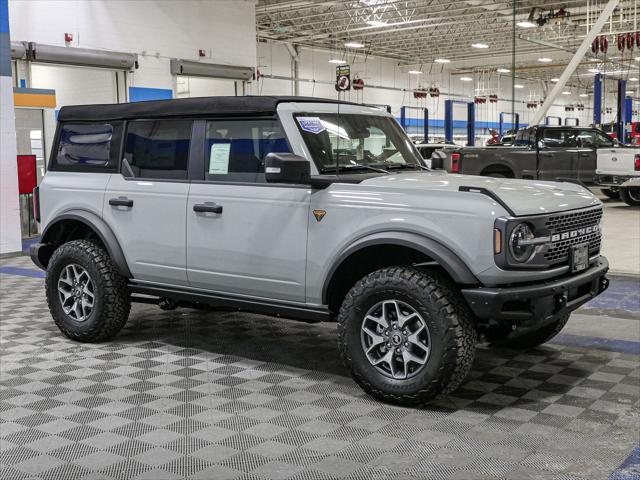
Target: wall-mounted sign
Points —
{"points": [[343, 78]]}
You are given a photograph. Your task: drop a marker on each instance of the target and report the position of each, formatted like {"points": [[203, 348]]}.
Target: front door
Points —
{"points": [[145, 204], [244, 236], [556, 154], [592, 143]]}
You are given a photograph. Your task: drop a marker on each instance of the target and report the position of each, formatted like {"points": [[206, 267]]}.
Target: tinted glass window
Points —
{"points": [[157, 149], [556, 137], [235, 149], [593, 139], [85, 145]]}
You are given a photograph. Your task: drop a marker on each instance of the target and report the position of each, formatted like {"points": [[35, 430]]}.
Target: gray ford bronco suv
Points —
{"points": [[314, 210]]}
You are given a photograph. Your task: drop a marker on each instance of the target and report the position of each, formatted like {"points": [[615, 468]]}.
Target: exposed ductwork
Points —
{"points": [[190, 68], [82, 57]]}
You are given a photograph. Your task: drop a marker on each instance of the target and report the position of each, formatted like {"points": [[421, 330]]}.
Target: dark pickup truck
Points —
{"points": [[538, 152]]}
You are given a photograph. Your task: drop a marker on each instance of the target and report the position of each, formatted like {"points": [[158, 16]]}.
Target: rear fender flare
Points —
{"points": [[101, 229]]}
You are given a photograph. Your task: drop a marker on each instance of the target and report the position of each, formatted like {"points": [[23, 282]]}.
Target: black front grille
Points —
{"points": [[568, 221], [558, 224]]}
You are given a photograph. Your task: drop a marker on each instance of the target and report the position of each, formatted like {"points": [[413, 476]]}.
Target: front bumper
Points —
{"points": [[538, 303]]}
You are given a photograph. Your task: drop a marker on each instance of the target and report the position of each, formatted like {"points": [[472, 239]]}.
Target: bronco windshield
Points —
{"points": [[356, 142]]}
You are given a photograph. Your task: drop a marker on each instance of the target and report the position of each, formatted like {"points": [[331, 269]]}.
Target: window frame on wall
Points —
{"points": [[114, 149], [190, 153]]}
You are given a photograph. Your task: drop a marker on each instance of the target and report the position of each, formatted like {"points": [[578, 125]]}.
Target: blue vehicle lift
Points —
{"points": [[425, 113], [622, 110], [471, 121], [597, 99], [516, 125]]}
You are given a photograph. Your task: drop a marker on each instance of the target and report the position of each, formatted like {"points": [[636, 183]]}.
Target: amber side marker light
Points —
{"points": [[497, 241]]}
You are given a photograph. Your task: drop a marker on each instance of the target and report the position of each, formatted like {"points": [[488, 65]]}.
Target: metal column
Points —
{"points": [[471, 124], [448, 121], [426, 125], [622, 109], [597, 99]]}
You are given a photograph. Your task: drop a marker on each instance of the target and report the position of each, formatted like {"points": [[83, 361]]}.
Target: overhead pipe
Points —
{"points": [[575, 61]]}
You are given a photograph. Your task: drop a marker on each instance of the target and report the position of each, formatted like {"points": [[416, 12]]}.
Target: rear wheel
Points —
{"points": [[630, 196], [531, 339], [88, 299], [613, 194], [406, 336]]}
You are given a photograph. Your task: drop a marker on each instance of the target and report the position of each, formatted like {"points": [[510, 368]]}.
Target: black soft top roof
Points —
{"points": [[209, 106]]}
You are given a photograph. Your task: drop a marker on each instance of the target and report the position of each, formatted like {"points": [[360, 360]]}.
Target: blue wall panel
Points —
{"points": [[143, 94]]}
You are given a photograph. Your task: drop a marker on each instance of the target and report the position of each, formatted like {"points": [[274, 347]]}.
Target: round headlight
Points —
{"points": [[521, 253]]}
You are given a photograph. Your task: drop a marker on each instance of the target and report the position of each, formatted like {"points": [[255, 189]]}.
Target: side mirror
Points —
{"points": [[286, 168]]}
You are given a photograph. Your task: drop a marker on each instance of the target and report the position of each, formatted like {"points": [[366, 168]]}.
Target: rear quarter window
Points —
{"points": [[87, 147]]}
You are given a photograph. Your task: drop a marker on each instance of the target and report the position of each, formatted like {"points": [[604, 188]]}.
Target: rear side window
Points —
{"points": [[556, 137], [85, 147], [235, 149], [157, 149]]}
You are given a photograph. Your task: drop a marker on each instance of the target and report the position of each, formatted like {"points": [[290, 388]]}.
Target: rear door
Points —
{"points": [[145, 203], [556, 153]]}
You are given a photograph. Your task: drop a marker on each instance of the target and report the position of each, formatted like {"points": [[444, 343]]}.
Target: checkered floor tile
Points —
{"points": [[206, 395]]}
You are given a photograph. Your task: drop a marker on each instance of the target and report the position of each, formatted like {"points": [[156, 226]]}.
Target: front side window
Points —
{"points": [[355, 142], [84, 145], [235, 149], [157, 149], [593, 139]]}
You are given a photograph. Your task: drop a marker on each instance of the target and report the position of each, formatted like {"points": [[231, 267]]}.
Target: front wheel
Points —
{"points": [[612, 194], [630, 196], [406, 336], [88, 299]]}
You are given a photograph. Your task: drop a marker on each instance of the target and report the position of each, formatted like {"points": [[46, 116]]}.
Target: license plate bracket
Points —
{"points": [[580, 257]]}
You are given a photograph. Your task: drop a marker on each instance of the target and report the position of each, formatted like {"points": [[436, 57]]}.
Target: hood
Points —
{"points": [[523, 197]]}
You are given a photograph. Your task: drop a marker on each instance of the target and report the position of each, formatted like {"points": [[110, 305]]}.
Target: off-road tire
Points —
{"points": [[112, 301], [612, 194], [530, 339], [631, 198], [452, 333]]}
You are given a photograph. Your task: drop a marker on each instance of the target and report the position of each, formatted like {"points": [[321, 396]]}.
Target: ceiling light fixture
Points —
{"points": [[633, 79], [414, 72], [354, 45], [593, 70], [584, 95], [336, 60], [376, 23], [566, 92], [545, 60], [479, 45], [503, 70], [466, 79], [525, 24], [554, 80], [518, 86], [442, 60]]}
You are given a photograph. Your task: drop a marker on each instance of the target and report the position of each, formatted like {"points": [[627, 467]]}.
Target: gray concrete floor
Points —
{"points": [[621, 242]]}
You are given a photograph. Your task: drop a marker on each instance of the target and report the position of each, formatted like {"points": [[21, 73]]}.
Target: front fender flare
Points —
{"points": [[102, 230], [441, 254]]}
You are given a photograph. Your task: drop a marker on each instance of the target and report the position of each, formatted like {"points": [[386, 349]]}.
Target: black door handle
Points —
{"points": [[121, 202], [585, 154], [208, 207]]}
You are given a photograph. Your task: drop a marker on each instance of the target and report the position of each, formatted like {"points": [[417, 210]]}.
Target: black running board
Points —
{"points": [[275, 309]]}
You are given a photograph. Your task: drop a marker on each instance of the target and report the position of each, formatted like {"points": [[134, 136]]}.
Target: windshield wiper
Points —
{"points": [[354, 166], [407, 165]]}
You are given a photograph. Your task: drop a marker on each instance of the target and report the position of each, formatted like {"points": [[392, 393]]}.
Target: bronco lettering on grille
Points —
{"points": [[578, 232]]}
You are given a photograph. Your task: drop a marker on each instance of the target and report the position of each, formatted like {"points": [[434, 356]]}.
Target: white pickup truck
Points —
{"points": [[618, 173]]}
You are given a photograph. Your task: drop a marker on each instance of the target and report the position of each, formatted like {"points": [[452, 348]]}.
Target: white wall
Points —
{"points": [[154, 29], [274, 59]]}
